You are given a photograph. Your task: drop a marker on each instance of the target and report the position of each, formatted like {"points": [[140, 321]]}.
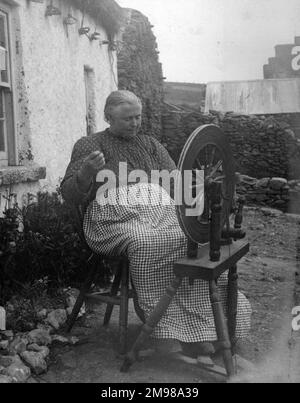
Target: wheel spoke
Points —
{"points": [[219, 177], [215, 168], [212, 157], [196, 185], [206, 157], [198, 163]]}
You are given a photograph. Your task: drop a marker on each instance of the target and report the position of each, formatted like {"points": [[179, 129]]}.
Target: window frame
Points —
{"points": [[3, 154], [9, 156], [5, 14], [89, 87]]}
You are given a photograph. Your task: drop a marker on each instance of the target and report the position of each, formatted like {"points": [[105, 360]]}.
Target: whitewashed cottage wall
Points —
{"points": [[48, 64]]}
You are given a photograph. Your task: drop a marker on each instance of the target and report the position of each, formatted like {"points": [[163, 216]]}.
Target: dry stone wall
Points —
{"points": [[277, 193], [263, 146]]}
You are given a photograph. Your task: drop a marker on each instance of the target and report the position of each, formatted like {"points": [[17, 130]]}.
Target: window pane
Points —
{"points": [[4, 76], [2, 127], [2, 134], [2, 32], [2, 58], [3, 49], [1, 104]]}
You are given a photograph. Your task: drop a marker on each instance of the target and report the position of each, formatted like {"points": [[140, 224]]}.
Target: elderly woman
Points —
{"points": [[148, 233]]}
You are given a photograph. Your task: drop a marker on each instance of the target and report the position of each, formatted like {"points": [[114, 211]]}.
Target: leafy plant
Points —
{"points": [[38, 241]]}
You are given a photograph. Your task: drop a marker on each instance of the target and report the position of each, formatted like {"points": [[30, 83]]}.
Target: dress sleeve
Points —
{"points": [[165, 162], [69, 186], [164, 158]]}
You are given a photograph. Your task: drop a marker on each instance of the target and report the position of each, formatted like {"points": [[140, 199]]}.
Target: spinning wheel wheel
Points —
{"points": [[206, 149]]}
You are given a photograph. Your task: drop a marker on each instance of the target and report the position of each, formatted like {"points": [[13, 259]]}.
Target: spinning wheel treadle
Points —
{"points": [[206, 149]]}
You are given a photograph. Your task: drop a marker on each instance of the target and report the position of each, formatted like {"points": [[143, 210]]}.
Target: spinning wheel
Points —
{"points": [[206, 149], [211, 203]]}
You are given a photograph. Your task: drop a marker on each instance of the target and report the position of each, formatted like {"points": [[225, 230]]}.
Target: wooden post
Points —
{"points": [[221, 327], [215, 224], [192, 249], [239, 215], [232, 299]]}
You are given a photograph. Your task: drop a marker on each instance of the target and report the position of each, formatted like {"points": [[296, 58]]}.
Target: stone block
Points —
{"points": [[20, 174], [278, 183]]}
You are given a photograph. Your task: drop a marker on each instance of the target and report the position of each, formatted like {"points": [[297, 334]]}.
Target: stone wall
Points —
{"points": [[263, 146], [271, 192], [139, 70]]}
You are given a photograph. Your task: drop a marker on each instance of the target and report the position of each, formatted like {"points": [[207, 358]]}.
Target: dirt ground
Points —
{"points": [[266, 277]]}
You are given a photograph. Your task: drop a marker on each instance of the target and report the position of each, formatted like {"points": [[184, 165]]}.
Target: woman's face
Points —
{"points": [[125, 120]]}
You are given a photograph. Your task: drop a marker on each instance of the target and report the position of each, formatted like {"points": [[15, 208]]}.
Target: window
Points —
{"points": [[6, 104]]}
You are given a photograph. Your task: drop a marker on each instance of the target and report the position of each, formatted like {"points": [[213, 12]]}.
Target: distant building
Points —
{"points": [[285, 63], [277, 93], [254, 97], [186, 95]]}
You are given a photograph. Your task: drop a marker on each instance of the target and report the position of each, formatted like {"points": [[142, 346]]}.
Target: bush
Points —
{"points": [[40, 241]]}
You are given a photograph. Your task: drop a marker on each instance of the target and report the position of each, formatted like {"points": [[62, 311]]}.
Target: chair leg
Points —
{"points": [[123, 317], [221, 327], [138, 310], [232, 298], [114, 291], [85, 288]]}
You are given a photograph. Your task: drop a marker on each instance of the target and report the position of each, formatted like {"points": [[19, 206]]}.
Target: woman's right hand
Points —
{"points": [[90, 167]]}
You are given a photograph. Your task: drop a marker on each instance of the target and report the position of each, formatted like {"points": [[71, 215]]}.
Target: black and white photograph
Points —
{"points": [[149, 194]]}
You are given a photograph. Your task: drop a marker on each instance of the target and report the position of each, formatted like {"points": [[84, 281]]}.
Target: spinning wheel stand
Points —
{"points": [[222, 246]]}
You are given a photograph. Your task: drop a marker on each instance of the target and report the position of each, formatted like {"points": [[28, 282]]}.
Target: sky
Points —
{"points": [[218, 40]]}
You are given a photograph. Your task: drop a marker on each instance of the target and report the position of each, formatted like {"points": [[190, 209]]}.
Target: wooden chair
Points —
{"points": [[119, 294]]}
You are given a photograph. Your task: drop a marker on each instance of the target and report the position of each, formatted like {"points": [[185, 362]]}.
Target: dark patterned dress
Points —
{"points": [[148, 233]]}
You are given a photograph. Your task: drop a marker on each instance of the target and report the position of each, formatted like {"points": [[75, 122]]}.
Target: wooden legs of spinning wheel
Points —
{"points": [[151, 322], [232, 299], [221, 327], [219, 318]]}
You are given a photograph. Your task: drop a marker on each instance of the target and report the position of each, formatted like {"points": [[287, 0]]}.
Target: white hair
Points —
{"points": [[117, 98]]}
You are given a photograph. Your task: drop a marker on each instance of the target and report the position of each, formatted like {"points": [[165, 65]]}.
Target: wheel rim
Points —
{"points": [[206, 149]]}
